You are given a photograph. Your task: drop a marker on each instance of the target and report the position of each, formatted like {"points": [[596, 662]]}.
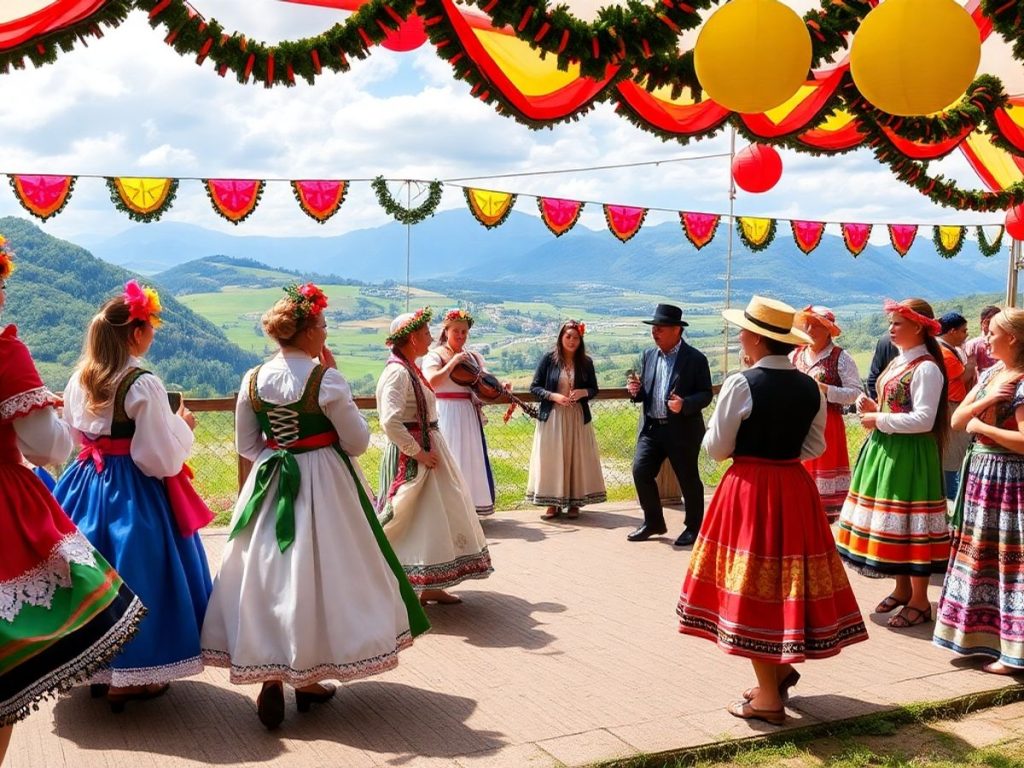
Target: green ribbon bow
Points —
{"points": [[284, 465]]}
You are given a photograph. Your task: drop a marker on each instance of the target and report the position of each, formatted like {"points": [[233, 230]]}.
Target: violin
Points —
{"points": [[468, 373]]}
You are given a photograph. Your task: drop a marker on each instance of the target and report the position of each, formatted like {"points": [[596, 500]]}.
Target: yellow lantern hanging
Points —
{"points": [[752, 55], [914, 57]]}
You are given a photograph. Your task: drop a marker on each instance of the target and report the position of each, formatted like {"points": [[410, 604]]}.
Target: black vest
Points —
{"points": [[785, 404]]}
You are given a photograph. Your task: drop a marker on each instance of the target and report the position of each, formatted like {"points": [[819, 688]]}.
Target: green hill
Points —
{"points": [[58, 287], [214, 273]]}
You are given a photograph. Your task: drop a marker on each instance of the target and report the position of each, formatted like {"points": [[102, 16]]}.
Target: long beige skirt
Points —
{"points": [[565, 466]]}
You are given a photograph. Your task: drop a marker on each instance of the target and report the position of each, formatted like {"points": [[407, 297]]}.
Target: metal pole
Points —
{"points": [[1011, 274], [408, 244], [728, 253]]}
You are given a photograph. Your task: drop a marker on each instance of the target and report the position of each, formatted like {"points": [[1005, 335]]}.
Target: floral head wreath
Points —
{"points": [[823, 316], [416, 320], [307, 299], [6, 259], [580, 327], [458, 315], [143, 303], [930, 325]]}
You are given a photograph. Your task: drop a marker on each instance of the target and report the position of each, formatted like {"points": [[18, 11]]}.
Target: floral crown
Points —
{"points": [[417, 320], [457, 315], [143, 303], [579, 327], [6, 259], [308, 299]]}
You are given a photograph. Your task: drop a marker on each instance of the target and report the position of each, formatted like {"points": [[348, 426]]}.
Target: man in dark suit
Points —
{"points": [[885, 353], [674, 386]]}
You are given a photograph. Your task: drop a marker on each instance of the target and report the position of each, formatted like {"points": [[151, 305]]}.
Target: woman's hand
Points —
{"points": [[428, 459], [866, 405], [976, 426], [559, 399], [578, 394], [187, 415], [1004, 391], [869, 420], [327, 358], [823, 387], [460, 357]]}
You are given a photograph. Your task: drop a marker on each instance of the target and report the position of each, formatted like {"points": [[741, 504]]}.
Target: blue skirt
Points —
{"points": [[126, 516]]}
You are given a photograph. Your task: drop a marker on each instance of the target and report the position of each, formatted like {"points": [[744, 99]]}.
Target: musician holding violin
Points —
{"points": [[451, 370], [565, 466]]}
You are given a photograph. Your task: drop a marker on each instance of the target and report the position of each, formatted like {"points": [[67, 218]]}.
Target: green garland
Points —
{"points": [[401, 214], [190, 34], [769, 237], [989, 248], [145, 218], [947, 253], [419, 318], [44, 49]]}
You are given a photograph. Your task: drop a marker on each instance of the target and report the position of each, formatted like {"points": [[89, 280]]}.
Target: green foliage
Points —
{"points": [[58, 288]]}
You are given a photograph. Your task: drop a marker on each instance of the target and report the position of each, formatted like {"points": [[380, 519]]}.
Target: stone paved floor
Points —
{"points": [[568, 654]]}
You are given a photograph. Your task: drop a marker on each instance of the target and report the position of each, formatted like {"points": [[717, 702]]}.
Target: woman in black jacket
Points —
{"points": [[565, 468]]}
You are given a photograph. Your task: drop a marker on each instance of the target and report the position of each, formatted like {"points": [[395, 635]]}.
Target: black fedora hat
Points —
{"points": [[667, 314]]}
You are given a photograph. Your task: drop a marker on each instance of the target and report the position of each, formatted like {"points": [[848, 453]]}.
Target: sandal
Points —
{"points": [[747, 711], [785, 684], [551, 513], [573, 513], [890, 604], [998, 668], [902, 620]]}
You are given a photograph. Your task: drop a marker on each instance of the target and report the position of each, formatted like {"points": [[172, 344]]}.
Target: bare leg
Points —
{"points": [[5, 740], [768, 676], [919, 593]]}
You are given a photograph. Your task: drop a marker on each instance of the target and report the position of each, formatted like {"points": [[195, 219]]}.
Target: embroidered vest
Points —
{"points": [[894, 387], [287, 423]]}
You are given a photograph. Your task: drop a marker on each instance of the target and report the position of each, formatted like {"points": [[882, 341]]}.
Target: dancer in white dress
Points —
{"points": [[309, 588], [459, 416], [424, 505]]}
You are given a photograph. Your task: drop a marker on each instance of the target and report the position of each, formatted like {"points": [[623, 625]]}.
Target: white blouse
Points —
{"points": [[281, 381], [735, 404], [42, 437], [162, 440], [925, 392], [396, 405], [843, 394]]}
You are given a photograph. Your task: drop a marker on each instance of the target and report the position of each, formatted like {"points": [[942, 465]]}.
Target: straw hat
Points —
{"points": [[823, 316], [770, 318]]}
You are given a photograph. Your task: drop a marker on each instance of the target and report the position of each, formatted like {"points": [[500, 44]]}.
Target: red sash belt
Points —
{"points": [[453, 395], [321, 440], [104, 446]]}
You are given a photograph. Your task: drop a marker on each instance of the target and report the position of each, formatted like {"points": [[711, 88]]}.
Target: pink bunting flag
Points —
{"points": [[234, 199], [558, 215], [699, 228], [807, 234], [320, 199], [43, 196], [856, 237], [624, 221], [902, 237]]}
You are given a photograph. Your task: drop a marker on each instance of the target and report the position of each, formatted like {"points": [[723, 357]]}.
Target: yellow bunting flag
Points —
{"points": [[143, 199], [488, 207]]}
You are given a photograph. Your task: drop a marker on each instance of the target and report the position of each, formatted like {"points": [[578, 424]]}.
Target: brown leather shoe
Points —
{"points": [[304, 699], [270, 705]]}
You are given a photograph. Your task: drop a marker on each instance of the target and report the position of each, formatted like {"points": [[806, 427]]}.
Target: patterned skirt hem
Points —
{"points": [[78, 670], [553, 501], [165, 673], [299, 678], [485, 511], [787, 652], [980, 650], [444, 575], [873, 569]]}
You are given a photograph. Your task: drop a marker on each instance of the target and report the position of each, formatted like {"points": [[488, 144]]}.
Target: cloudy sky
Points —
{"points": [[129, 105]]}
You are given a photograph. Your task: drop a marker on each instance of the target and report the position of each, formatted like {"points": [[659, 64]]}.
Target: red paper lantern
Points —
{"points": [[1015, 222], [410, 34], [757, 168]]}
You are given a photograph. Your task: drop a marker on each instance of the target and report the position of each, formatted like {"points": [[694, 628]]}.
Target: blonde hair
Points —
{"points": [[105, 352], [1011, 320], [280, 323]]}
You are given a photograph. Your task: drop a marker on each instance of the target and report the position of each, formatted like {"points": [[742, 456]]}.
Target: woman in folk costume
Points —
{"points": [[458, 409], [125, 494], [893, 522], [981, 609], [309, 588], [565, 463], [839, 380], [765, 580], [64, 612], [424, 504]]}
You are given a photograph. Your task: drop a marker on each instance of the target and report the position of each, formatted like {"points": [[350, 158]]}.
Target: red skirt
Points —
{"points": [[32, 522], [831, 470], [765, 580]]}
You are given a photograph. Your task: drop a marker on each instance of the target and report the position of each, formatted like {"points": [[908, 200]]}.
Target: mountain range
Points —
{"points": [[452, 249]]}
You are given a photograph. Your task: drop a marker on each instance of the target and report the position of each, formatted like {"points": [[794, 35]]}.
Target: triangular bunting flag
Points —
{"points": [[756, 233], [948, 240], [43, 196], [143, 199], [234, 199], [902, 237], [320, 199], [559, 215], [856, 237], [699, 228], [488, 207], [807, 234], [624, 221]]}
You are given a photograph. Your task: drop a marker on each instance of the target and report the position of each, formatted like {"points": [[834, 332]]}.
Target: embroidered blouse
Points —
{"points": [[925, 392]]}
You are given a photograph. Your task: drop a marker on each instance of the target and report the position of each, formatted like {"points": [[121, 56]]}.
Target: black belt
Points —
{"points": [[416, 425], [661, 422]]}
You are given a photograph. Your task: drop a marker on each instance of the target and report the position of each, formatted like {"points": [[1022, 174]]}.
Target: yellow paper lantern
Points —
{"points": [[752, 55], [914, 57]]}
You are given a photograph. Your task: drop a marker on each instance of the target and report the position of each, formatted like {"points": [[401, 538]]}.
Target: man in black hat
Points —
{"points": [[674, 386]]}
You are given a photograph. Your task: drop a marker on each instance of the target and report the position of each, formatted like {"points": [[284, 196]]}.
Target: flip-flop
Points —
{"points": [[902, 621], [747, 711], [889, 604], [998, 668]]}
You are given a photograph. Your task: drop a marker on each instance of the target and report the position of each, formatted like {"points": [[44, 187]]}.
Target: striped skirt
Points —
{"points": [[893, 522], [831, 470]]}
